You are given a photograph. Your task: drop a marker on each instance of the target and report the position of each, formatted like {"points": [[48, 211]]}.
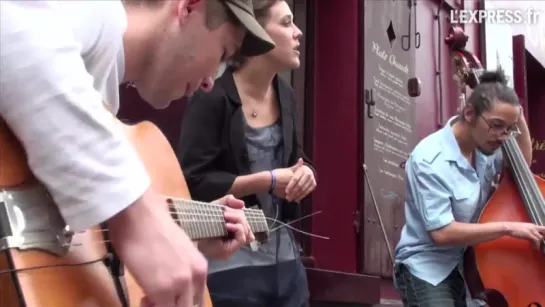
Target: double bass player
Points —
{"points": [[449, 179]]}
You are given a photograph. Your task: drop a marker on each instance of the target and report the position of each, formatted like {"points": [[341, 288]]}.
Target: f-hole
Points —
{"points": [[535, 305]]}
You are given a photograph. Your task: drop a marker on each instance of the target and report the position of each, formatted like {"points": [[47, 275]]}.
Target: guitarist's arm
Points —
{"points": [[48, 100]]}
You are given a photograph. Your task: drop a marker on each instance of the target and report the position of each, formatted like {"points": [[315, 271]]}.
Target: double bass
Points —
{"points": [[506, 272]]}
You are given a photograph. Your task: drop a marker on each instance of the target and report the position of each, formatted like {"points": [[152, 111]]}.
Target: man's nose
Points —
{"points": [[207, 84]]}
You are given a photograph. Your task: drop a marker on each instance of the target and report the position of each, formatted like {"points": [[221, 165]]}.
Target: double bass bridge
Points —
{"points": [[30, 220]]}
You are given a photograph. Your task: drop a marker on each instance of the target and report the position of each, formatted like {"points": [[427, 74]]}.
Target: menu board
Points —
{"points": [[389, 125], [538, 157], [393, 114]]}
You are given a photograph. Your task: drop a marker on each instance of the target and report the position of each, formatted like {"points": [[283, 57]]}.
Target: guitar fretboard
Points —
{"points": [[202, 220]]}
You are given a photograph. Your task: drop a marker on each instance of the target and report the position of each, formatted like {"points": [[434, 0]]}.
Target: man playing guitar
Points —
{"points": [[62, 61]]}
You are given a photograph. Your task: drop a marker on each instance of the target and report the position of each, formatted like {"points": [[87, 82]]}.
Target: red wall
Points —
{"points": [[336, 135], [134, 109]]}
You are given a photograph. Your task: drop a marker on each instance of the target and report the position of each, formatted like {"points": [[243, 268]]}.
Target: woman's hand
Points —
{"points": [[282, 177], [301, 184]]}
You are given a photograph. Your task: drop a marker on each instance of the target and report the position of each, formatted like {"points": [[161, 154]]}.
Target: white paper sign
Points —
{"points": [[499, 46]]}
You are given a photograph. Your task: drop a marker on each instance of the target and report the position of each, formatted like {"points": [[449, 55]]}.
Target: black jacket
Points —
{"points": [[212, 148]]}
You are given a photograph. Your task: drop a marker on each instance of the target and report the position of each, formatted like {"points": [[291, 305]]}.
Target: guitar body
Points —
{"points": [[79, 278], [70, 286], [166, 178]]}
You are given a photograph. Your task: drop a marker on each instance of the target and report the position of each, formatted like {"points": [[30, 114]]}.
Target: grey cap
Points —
{"points": [[256, 41]]}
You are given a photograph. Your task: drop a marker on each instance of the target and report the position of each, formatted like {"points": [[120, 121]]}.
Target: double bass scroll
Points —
{"points": [[506, 272]]}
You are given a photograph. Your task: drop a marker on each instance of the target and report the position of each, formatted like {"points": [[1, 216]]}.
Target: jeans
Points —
{"points": [[416, 292], [280, 285]]}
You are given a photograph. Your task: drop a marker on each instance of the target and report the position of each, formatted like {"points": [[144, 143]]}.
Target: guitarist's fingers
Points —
{"points": [[197, 301], [237, 217], [230, 201], [192, 294], [187, 297], [239, 231], [144, 302]]}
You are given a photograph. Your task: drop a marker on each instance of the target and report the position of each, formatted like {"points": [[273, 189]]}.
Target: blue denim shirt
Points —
{"points": [[442, 187]]}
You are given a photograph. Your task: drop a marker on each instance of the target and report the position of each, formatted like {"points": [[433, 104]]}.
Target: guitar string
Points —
{"points": [[19, 270], [256, 216], [182, 205], [252, 215], [201, 221], [220, 219], [272, 230]]}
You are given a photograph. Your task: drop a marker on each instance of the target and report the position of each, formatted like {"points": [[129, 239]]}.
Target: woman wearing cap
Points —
{"points": [[240, 139]]}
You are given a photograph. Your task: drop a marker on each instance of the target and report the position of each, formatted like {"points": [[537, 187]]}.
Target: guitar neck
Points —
{"points": [[202, 220]]}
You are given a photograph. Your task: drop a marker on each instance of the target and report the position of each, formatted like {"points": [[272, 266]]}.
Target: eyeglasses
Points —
{"points": [[501, 129]]}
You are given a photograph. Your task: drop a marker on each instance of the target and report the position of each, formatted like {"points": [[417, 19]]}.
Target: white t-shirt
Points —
{"points": [[61, 61]]}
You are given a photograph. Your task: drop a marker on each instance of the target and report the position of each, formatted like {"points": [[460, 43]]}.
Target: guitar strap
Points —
{"points": [[116, 268], [112, 261]]}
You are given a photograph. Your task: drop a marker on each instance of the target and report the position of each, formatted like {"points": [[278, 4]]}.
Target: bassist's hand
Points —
{"points": [[163, 260], [528, 231], [236, 224]]}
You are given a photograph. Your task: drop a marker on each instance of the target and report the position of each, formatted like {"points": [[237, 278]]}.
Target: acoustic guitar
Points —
{"points": [[44, 264]]}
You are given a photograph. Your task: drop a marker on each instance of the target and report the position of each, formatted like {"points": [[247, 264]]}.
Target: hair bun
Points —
{"points": [[497, 76]]}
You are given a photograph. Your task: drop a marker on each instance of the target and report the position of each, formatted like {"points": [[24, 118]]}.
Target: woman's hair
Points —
{"points": [[261, 12]]}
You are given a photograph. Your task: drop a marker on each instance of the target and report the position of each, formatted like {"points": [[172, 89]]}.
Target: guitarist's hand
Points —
{"points": [[236, 224], [163, 260]]}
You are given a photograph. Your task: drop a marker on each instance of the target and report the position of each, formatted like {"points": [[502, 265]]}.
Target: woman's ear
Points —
{"points": [[468, 91], [469, 114]]}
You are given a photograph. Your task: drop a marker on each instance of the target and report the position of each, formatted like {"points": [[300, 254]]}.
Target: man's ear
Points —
{"points": [[184, 8], [180, 10]]}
